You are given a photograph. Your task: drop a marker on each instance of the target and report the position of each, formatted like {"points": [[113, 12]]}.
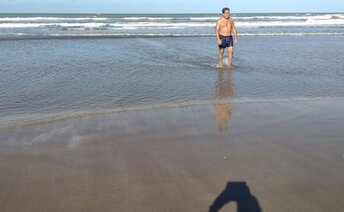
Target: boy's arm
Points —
{"points": [[217, 28], [235, 32]]}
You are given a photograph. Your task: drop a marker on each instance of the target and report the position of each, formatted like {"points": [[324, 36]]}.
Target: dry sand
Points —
{"points": [[282, 156]]}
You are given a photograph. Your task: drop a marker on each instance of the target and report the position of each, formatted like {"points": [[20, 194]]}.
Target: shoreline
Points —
{"points": [[285, 155], [65, 116]]}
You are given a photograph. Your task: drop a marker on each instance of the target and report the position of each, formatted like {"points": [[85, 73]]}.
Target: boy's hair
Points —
{"points": [[224, 9]]}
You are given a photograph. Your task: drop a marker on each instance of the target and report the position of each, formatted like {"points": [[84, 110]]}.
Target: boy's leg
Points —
{"points": [[230, 55], [221, 51]]}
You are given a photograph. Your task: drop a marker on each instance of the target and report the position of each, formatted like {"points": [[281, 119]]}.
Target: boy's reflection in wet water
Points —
{"points": [[223, 98]]}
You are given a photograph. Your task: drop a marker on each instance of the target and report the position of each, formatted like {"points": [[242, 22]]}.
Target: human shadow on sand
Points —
{"points": [[239, 193]]}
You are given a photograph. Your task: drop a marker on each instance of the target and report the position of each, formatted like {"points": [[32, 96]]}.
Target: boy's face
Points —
{"points": [[226, 14]]}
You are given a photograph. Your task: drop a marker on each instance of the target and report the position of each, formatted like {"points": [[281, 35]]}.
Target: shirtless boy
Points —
{"points": [[224, 29]]}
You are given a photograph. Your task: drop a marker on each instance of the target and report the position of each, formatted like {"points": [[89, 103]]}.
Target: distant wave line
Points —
{"points": [[201, 18], [332, 22], [24, 36], [15, 19], [96, 24]]}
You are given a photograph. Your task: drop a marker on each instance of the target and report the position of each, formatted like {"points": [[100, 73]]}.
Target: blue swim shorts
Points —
{"points": [[227, 41]]}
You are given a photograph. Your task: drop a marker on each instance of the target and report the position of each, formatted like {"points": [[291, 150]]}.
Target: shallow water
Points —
{"points": [[45, 80]]}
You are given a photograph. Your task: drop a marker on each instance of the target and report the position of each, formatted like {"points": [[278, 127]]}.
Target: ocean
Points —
{"points": [[61, 66], [20, 26]]}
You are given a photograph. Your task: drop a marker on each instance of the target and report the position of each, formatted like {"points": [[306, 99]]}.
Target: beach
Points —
{"points": [[123, 112], [288, 155]]}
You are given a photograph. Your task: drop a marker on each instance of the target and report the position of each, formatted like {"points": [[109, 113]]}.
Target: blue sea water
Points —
{"points": [[21, 26], [57, 66]]}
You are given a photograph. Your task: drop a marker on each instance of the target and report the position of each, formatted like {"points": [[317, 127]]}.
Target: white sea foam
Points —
{"points": [[292, 17], [204, 18], [141, 24], [290, 23], [41, 19], [37, 25], [292, 34], [148, 18], [121, 35], [95, 25]]}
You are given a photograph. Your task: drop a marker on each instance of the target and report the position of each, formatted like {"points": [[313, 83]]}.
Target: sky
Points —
{"points": [[168, 6]]}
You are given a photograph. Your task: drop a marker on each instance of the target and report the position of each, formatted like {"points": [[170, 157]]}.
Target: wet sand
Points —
{"points": [[269, 156]]}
